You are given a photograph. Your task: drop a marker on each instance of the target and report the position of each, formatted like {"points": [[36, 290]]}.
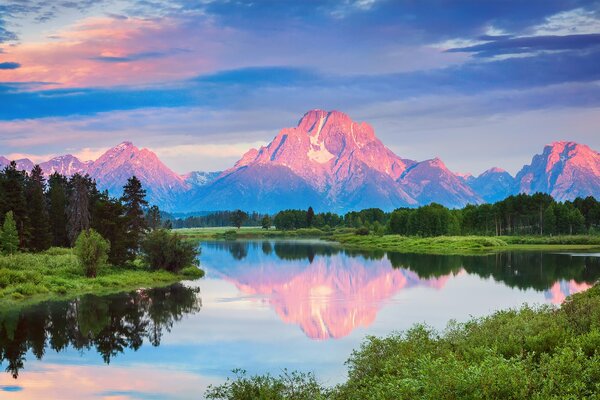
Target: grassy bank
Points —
{"points": [[246, 233], [348, 238], [465, 244], [56, 273], [528, 353]]}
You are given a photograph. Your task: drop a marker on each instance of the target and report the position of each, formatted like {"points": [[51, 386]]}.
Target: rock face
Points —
{"points": [[331, 162], [120, 163], [493, 185], [334, 164], [565, 170], [200, 178], [65, 165], [431, 181]]}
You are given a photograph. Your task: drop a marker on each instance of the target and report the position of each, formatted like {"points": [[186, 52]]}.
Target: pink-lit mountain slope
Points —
{"points": [[565, 170], [118, 164], [331, 162]]}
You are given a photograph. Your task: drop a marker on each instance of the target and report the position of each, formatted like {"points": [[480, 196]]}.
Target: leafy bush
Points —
{"points": [[288, 386], [162, 249], [362, 231], [92, 250]]}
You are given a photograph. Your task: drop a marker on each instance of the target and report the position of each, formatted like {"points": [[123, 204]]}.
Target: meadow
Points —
{"points": [[57, 274]]}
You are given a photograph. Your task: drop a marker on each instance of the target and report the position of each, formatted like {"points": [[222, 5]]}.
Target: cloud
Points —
{"points": [[9, 65], [532, 44]]}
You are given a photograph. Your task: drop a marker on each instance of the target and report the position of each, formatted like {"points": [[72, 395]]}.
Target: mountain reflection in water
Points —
{"points": [[329, 291], [108, 324]]}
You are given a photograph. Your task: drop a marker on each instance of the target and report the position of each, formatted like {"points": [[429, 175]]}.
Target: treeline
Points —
{"points": [[537, 214], [55, 212], [216, 219]]}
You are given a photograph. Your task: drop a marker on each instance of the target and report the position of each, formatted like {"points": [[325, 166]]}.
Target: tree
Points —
{"points": [[153, 220], [165, 250], [549, 220], [9, 235], [92, 250], [238, 217], [266, 222], [134, 202], [78, 216], [108, 219], [310, 216], [13, 189], [57, 209], [37, 211]]}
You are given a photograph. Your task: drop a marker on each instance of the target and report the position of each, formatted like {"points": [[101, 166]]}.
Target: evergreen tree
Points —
{"points": [[78, 216], [549, 220], [39, 238], [153, 219], [57, 209], [9, 237], [134, 202], [13, 188], [310, 216], [108, 220], [266, 222]]}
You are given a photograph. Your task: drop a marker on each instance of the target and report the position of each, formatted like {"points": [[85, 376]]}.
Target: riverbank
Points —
{"points": [[529, 353], [27, 278], [348, 238], [466, 244]]}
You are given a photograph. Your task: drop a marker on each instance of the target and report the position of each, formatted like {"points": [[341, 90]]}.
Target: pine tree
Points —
{"points": [[39, 238], [9, 236], [108, 220], [153, 219], [134, 202], [13, 188], [57, 209], [78, 216], [310, 216]]}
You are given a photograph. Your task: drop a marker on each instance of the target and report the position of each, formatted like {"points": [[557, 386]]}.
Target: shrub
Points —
{"points": [[162, 249], [92, 250], [362, 231]]}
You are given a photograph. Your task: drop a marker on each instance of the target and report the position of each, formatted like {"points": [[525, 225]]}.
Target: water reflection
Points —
{"points": [[328, 291], [109, 325]]}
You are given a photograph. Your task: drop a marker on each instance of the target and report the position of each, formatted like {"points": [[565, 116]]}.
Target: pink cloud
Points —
{"points": [[107, 51]]}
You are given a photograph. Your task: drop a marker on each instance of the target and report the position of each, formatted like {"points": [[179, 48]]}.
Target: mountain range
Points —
{"points": [[332, 163]]}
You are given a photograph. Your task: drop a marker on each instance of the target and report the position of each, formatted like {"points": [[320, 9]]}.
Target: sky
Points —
{"points": [[476, 83]]}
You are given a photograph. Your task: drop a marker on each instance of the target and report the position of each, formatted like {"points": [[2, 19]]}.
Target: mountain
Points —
{"points": [[493, 185], [65, 165], [115, 166], [565, 170], [200, 178], [330, 162], [431, 181]]}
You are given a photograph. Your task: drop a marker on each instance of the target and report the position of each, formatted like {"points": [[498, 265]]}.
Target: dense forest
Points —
{"points": [[215, 219], [55, 212], [537, 214]]}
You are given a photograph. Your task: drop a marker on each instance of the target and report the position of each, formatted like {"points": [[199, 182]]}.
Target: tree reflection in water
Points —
{"points": [[108, 324]]}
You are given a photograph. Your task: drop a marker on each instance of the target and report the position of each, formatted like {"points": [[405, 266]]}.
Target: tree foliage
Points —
{"points": [[9, 236], [92, 251], [162, 249]]}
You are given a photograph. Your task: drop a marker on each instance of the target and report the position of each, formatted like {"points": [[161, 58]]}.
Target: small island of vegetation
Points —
{"points": [[65, 238]]}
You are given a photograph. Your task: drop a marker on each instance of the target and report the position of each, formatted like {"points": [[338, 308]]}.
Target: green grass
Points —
{"points": [[465, 244], [245, 233], [56, 274]]}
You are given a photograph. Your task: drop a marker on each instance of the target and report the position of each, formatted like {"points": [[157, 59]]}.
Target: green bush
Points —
{"points": [[92, 250], [162, 249]]}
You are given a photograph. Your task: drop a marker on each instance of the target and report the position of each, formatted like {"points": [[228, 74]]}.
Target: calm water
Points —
{"points": [[263, 305]]}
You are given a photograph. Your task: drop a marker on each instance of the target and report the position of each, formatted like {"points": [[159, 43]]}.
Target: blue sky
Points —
{"points": [[477, 83]]}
